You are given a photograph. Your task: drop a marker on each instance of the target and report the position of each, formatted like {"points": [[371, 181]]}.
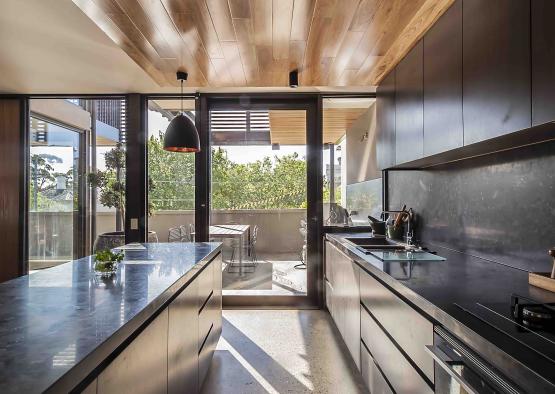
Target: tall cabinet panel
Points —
{"points": [[496, 68], [409, 102], [543, 61], [443, 126], [385, 118]]}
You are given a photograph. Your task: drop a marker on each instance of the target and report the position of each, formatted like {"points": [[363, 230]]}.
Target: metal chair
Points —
{"points": [[192, 232], [303, 231], [235, 244], [174, 234], [252, 243], [185, 235]]}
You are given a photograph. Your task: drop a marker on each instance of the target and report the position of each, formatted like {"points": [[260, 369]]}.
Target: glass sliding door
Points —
{"points": [[70, 140], [264, 182], [55, 193]]}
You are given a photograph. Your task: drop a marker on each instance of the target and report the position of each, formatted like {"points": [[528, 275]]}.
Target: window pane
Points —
{"points": [[352, 181], [171, 193]]}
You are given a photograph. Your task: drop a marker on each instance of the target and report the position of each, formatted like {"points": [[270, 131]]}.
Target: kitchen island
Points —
{"points": [[153, 325]]}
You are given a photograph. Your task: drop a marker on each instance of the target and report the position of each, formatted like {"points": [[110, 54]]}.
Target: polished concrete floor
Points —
{"points": [[281, 351]]}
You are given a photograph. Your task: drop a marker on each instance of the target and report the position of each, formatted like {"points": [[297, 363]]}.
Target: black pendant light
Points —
{"points": [[181, 134]]}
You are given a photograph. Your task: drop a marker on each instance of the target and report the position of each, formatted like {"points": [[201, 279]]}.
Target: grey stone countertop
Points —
{"points": [[57, 325], [437, 287]]}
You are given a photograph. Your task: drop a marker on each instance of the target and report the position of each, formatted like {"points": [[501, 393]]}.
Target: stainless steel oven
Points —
{"points": [[458, 370]]}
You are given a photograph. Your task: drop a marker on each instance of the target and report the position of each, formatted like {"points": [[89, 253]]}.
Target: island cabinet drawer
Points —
{"points": [[396, 368], [146, 356], [207, 352], [410, 330], [182, 346], [373, 378], [205, 284]]}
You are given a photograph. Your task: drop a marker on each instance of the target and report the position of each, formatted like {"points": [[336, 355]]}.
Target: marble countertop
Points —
{"points": [[58, 324], [435, 287]]}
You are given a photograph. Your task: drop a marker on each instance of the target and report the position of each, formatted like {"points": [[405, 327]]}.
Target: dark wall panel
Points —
{"points": [[13, 115], [385, 120], [543, 61], [409, 106], [500, 207], [496, 68], [443, 126]]}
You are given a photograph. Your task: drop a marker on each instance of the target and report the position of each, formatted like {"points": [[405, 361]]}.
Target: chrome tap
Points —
{"points": [[410, 216]]}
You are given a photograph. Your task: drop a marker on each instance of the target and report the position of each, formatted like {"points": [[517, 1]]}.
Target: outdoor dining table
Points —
{"points": [[232, 231]]}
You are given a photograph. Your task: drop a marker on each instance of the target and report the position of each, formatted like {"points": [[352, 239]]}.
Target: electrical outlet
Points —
{"points": [[134, 223]]}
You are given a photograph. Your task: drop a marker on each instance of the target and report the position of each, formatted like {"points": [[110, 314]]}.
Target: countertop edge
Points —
{"points": [[100, 357], [471, 338]]}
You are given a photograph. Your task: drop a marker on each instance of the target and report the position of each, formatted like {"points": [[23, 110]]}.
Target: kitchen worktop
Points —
{"points": [[435, 287], [57, 325]]}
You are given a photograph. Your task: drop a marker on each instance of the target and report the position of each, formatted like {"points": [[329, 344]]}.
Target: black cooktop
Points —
{"points": [[523, 319]]}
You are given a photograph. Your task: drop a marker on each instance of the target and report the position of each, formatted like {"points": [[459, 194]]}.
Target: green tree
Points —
{"points": [[262, 184], [111, 181]]}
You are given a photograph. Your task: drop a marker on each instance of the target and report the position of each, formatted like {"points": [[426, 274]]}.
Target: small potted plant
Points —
{"points": [[106, 262]]}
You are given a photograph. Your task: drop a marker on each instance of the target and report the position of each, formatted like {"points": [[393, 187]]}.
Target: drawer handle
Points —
{"points": [[205, 339], [205, 302], [446, 363]]}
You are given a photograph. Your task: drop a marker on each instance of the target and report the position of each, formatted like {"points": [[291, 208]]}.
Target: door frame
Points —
{"points": [[312, 104]]}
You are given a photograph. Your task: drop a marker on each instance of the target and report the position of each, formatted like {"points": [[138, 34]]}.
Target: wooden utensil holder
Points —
{"points": [[545, 280]]}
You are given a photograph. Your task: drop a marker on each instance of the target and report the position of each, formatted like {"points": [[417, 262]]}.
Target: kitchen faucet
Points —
{"points": [[410, 216]]}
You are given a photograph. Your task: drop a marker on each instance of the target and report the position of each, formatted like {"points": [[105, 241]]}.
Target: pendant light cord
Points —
{"points": [[182, 96]]}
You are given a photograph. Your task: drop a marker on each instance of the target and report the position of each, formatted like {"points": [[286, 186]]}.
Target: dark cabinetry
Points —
{"points": [[385, 117], [409, 121], [543, 61], [443, 125], [496, 68]]}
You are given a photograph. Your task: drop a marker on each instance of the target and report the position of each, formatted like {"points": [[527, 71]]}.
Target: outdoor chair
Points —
{"points": [[174, 234], [303, 231]]}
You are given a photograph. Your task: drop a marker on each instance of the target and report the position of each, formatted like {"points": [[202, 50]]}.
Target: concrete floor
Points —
{"points": [[281, 351]]}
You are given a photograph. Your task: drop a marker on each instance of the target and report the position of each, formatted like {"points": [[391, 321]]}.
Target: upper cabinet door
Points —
{"points": [[385, 119], [496, 68], [443, 124], [543, 61], [409, 102]]}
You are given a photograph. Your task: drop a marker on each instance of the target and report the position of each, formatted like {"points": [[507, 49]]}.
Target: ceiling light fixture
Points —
{"points": [[181, 134], [294, 79]]}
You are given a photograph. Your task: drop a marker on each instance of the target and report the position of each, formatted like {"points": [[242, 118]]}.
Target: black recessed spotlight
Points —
{"points": [[294, 79]]}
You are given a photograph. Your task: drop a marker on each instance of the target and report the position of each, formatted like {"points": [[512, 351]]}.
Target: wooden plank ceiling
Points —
{"points": [[252, 43], [288, 127]]}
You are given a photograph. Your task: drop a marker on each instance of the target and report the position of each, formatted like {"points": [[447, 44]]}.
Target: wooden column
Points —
{"points": [[14, 115]]}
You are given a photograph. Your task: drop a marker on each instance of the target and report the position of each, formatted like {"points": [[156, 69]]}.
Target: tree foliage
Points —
{"points": [[110, 182], [262, 184]]}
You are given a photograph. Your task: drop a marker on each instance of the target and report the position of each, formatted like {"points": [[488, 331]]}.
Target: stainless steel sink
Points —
{"points": [[369, 243]]}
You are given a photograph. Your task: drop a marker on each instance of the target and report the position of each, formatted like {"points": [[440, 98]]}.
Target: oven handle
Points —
{"points": [[445, 362]]}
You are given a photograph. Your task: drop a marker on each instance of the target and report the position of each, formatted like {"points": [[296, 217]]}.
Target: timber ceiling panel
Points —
{"points": [[288, 127], [257, 42]]}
